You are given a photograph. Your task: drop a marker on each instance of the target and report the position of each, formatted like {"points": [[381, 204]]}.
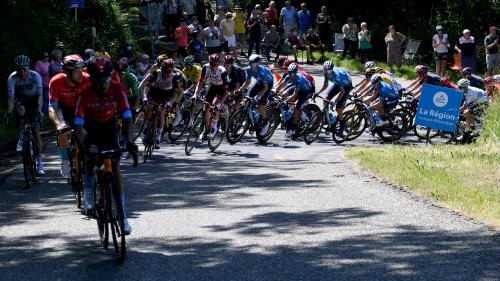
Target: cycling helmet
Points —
{"points": [[370, 71], [445, 81], [228, 59], [254, 58], [497, 79], [161, 58], [466, 71], [489, 81], [189, 60], [439, 27], [71, 62], [293, 68], [145, 57], [286, 64], [376, 78], [167, 65], [421, 69], [463, 83], [100, 68], [369, 64], [121, 65], [22, 61], [214, 59], [328, 65]]}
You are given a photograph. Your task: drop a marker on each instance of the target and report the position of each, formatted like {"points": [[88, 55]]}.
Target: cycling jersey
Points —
{"points": [[96, 109], [217, 77], [28, 87], [131, 83], [477, 82], [339, 77], [262, 75], [308, 77], [432, 79], [171, 82], [475, 95], [301, 82], [237, 75], [388, 95], [61, 94], [192, 74]]}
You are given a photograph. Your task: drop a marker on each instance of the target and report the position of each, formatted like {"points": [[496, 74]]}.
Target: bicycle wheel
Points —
{"points": [[175, 133], [355, 125], [337, 126], [220, 133], [194, 133], [313, 128], [274, 121], [394, 129], [421, 132], [29, 168], [102, 218], [116, 219], [149, 140], [238, 125], [139, 123]]}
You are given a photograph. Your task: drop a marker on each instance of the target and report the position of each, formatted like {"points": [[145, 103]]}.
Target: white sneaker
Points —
{"points": [[65, 173], [264, 129], [178, 119], [40, 172], [127, 228], [19, 147], [157, 143]]}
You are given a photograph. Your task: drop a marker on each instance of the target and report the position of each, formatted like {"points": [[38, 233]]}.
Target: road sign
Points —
{"points": [[438, 108], [75, 4]]}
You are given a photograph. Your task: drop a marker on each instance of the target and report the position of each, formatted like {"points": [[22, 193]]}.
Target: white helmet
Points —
{"points": [[463, 84], [254, 58], [328, 65], [369, 64]]}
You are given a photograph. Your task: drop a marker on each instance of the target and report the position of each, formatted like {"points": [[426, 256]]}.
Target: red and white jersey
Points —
{"points": [[217, 77]]}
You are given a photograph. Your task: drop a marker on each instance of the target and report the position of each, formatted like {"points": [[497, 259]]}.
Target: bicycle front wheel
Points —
{"points": [[219, 134], [194, 133], [116, 219], [313, 128], [29, 168]]}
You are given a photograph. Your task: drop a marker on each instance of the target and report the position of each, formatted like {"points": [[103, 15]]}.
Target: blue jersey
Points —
{"points": [[263, 75], [432, 79], [387, 93], [339, 77], [302, 83]]}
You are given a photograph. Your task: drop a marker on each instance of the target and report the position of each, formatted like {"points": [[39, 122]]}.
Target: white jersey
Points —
{"points": [[217, 77], [475, 95]]}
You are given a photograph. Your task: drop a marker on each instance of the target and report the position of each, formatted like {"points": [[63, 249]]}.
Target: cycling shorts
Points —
{"points": [[334, 90], [103, 135], [256, 88], [214, 91], [160, 96]]}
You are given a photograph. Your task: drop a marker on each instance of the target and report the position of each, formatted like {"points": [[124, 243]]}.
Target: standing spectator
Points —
{"points": [[288, 17], [212, 38], [182, 34], [169, 9], [100, 51], [394, 40], [492, 56], [313, 43], [189, 7], [55, 66], [295, 42], [350, 31], [254, 27], [129, 53], [42, 68], [467, 49], [227, 27], [221, 3], [195, 48], [143, 67], [272, 15], [304, 17], [195, 27], [239, 27], [440, 45], [272, 42], [323, 20], [365, 43], [220, 16]]}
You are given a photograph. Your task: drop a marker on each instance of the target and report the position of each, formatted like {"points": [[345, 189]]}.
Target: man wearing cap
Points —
{"points": [[467, 49], [227, 27], [492, 44]]}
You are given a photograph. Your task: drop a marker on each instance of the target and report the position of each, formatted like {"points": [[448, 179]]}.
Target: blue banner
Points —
{"points": [[438, 108], [75, 4]]}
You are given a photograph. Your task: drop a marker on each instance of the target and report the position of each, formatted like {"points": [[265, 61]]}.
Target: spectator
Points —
{"points": [[195, 27], [227, 27], [189, 7], [394, 40], [254, 26], [350, 30], [304, 18], [221, 3], [182, 34], [55, 66], [129, 53], [295, 42], [492, 56], [101, 52], [195, 48], [440, 45], [154, 14], [324, 21], [239, 27], [42, 68], [221, 15], [365, 43], [313, 43], [169, 10], [467, 49], [288, 17], [212, 38], [143, 67], [272, 15], [272, 42]]}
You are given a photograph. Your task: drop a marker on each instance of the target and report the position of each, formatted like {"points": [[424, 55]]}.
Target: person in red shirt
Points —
{"points": [[97, 102], [182, 33], [62, 100], [272, 15]]}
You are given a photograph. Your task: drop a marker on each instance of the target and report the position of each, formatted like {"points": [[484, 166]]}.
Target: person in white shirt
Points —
{"points": [[440, 44]]}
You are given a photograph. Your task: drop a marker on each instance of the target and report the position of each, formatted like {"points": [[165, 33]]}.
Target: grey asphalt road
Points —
{"points": [[281, 211]]}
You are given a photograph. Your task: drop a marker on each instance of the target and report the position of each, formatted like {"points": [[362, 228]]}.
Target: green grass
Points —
{"points": [[463, 178]]}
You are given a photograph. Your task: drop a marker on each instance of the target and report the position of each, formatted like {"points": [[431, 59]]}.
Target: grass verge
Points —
{"points": [[462, 178]]}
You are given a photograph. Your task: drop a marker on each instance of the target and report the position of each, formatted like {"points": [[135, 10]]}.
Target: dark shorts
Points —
{"points": [[257, 88], [213, 50], [103, 135], [440, 56], [303, 97], [214, 91], [30, 105], [68, 114], [160, 96], [336, 90], [390, 104]]}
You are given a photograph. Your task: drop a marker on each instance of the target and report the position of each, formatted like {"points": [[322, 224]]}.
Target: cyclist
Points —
{"points": [[261, 90], [217, 90], [341, 87], [474, 102], [388, 98], [129, 80], [236, 76], [25, 99], [475, 81], [62, 99], [446, 82], [302, 90], [95, 124], [491, 88], [162, 86], [192, 72], [387, 77], [424, 77], [284, 86], [363, 84]]}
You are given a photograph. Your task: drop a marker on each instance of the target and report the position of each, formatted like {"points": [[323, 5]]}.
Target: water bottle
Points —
{"points": [[333, 117], [256, 116]]}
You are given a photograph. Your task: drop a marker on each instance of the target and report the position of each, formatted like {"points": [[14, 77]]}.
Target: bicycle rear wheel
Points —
{"points": [[313, 128], [194, 133], [116, 219], [175, 133], [149, 139], [395, 128], [29, 168], [220, 133], [139, 123], [355, 125], [274, 121]]}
